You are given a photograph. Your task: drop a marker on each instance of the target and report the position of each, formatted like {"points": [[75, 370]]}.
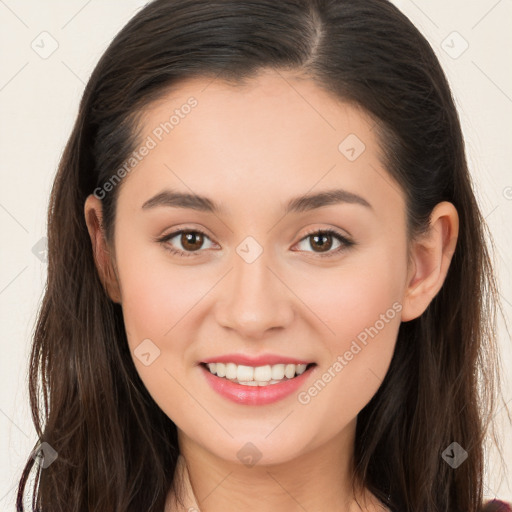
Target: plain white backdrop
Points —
{"points": [[49, 49]]}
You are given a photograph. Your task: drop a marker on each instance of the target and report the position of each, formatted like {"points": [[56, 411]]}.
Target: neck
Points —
{"points": [[320, 479]]}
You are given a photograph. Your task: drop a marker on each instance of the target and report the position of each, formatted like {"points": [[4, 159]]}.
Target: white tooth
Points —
{"points": [[301, 368], [278, 371], [230, 371], [260, 383], [221, 370], [289, 371], [263, 373], [244, 373]]}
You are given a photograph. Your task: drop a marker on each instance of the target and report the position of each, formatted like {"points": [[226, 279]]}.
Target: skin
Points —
{"points": [[251, 149]]}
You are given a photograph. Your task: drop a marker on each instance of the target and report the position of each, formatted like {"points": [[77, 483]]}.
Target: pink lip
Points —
{"points": [[263, 360], [255, 395]]}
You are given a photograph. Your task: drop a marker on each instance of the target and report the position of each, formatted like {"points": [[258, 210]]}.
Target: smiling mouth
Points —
{"points": [[257, 375]]}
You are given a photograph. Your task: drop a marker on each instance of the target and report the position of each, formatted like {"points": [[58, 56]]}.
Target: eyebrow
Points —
{"points": [[172, 198]]}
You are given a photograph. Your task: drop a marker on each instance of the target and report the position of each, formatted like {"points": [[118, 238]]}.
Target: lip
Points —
{"points": [[255, 395], [262, 360]]}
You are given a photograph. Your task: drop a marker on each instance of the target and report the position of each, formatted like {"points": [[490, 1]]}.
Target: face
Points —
{"points": [[317, 281]]}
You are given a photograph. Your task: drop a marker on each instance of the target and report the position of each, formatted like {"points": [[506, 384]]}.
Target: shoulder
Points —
{"points": [[497, 506]]}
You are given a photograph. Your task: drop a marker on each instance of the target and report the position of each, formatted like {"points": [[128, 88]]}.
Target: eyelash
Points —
{"points": [[345, 242]]}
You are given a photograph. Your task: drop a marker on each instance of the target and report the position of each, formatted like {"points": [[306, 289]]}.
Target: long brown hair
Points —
{"points": [[117, 450]]}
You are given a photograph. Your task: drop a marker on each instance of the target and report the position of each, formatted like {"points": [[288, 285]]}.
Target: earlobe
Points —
{"points": [[103, 259], [431, 256]]}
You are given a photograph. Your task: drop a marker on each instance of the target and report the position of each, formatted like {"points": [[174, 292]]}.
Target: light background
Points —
{"points": [[38, 104]]}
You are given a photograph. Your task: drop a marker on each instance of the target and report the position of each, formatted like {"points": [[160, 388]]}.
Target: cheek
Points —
{"points": [[154, 299], [354, 296], [358, 311], [155, 302], [155, 293]]}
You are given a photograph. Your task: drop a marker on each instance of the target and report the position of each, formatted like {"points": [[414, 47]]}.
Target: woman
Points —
{"points": [[269, 285]]}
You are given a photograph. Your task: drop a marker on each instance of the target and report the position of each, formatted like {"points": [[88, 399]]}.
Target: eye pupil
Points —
{"points": [[189, 238]]}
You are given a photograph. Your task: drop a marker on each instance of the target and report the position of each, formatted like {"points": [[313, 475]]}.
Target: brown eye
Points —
{"points": [[322, 241], [191, 240]]}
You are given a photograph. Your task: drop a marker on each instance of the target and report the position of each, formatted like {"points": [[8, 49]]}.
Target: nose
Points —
{"points": [[254, 299]]}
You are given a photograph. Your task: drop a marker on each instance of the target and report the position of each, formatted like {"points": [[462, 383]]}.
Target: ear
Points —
{"points": [[430, 258], [105, 263]]}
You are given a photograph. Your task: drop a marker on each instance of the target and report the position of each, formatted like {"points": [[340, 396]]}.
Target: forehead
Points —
{"points": [[278, 135], [272, 99]]}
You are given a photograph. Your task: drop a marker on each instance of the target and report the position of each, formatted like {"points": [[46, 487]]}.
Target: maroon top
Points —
{"points": [[497, 506]]}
